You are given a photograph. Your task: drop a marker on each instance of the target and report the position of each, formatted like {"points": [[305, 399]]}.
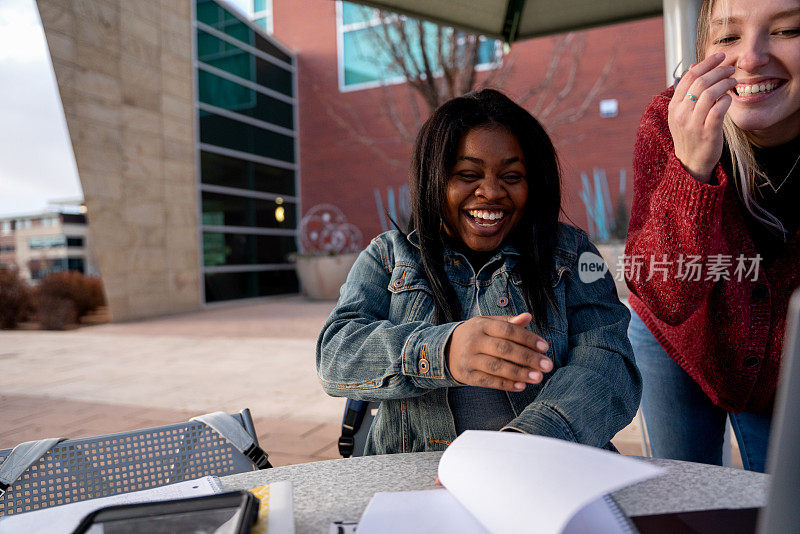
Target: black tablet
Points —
{"points": [[233, 513]]}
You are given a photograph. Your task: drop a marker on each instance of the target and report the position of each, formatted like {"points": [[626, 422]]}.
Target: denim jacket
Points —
{"points": [[380, 344]]}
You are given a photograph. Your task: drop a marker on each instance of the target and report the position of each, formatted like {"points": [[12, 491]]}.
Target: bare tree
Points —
{"points": [[439, 63], [549, 95]]}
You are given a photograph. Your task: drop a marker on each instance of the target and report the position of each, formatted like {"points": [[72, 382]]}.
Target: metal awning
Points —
{"points": [[511, 20]]}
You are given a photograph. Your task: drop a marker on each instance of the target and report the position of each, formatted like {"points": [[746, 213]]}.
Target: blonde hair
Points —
{"points": [[747, 175]]}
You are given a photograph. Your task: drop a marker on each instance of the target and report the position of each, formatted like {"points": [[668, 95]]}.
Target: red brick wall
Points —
{"points": [[348, 146]]}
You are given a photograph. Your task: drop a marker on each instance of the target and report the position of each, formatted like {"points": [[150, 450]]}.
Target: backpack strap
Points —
{"points": [[229, 428], [354, 412], [21, 458]]}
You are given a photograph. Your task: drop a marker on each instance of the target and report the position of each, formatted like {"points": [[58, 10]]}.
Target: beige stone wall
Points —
{"points": [[124, 71]]}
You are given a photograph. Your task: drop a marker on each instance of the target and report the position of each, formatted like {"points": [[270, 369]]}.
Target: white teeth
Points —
{"points": [[755, 88], [485, 214]]}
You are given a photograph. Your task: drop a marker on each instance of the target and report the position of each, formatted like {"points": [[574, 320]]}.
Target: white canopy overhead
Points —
{"points": [[511, 20]]}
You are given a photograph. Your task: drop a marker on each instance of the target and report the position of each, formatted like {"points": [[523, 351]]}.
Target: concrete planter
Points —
{"points": [[322, 276]]}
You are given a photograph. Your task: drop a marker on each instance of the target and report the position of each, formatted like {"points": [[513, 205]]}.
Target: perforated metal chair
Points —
{"points": [[87, 468]]}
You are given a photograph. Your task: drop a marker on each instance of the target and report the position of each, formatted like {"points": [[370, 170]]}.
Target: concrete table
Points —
{"points": [[339, 490]]}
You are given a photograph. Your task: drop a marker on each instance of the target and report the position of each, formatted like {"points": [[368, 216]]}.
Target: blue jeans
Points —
{"points": [[682, 422]]}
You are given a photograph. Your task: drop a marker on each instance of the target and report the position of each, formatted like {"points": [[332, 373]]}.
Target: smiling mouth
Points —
{"points": [[486, 218], [761, 88]]}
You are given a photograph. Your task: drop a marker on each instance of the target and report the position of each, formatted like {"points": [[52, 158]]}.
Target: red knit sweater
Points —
{"points": [[727, 334]]}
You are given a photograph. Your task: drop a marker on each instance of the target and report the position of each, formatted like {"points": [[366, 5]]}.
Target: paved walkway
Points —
{"points": [[115, 377]]}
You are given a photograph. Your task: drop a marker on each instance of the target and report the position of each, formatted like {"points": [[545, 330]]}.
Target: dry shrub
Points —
{"points": [[16, 300], [56, 313], [67, 296], [94, 287]]}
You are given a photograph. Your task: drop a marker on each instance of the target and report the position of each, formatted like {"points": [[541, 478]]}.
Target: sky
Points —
{"points": [[37, 165]]}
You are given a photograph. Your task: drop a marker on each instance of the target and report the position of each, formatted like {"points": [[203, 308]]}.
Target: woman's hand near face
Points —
{"points": [[696, 126], [498, 353]]}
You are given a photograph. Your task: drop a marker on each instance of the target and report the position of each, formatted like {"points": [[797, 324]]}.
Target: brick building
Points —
{"points": [[350, 154], [42, 243], [201, 141]]}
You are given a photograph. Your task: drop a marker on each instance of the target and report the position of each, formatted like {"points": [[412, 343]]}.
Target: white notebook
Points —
{"points": [[503, 483], [65, 518], [275, 514]]}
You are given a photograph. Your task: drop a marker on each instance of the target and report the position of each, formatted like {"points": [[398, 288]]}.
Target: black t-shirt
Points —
{"points": [[776, 162]]}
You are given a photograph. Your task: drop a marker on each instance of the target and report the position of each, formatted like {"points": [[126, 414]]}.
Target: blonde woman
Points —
{"points": [[713, 249]]}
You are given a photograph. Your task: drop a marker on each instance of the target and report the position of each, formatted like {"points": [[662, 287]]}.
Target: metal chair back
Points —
{"points": [[88, 468]]}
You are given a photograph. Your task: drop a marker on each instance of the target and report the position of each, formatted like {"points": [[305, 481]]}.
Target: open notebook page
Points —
{"points": [[510, 481], [504, 483]]}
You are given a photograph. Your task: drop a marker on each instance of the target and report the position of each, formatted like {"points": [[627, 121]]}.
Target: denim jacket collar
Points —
{"points": [[507, 250], [563, 257]]}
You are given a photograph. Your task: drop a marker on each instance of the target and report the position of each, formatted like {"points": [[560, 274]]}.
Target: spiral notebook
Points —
{"points": [[499, 482]]}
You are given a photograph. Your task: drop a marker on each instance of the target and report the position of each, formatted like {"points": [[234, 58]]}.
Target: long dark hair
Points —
{"points": [[434, 156]]}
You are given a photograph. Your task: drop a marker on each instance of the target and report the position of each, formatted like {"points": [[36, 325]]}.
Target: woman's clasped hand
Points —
{"points": [[497, 352]]}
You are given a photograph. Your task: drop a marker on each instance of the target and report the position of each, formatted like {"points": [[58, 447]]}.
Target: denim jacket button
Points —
{"points": [[502, 302], [424, 367], [399, 283]]}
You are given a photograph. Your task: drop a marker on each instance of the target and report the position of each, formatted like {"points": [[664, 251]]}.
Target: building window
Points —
{"points": [[365, 63], [247, 151], [74, 241], [41, 268], [609, 108], [76, 264], [262, 14], [47, 242], [5, 227], [73, 218], [218, 17]]}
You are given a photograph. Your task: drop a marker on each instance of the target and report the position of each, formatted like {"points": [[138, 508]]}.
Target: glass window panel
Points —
{"points": [[366, 58], [268, 48], [262, 21], [242, 249], [230, 58], [487, 51], [229, 95], [225, 56], [41, 268], [241, 31], [231, 210], [218, 18], [352, 13], [229, 133], [73, 218], [46, 242], [76, 264], [228, 286], [209, 12], [233, 172], [259, 5], [74, 241]]}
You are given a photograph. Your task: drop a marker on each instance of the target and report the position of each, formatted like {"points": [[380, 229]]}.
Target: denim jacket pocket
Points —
{"points": [[557, 318], [411, 296]]}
